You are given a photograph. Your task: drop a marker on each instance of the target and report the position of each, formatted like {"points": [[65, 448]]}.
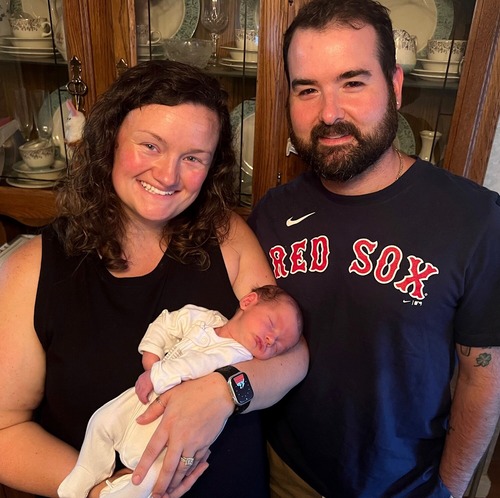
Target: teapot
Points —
{"points": [[406, 49]]}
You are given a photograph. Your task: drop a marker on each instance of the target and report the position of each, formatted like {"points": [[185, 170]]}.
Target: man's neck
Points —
{"points": [[380, 175]]}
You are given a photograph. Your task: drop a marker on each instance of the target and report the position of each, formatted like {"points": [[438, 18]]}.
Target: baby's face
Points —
{"points": [[268, 329]]}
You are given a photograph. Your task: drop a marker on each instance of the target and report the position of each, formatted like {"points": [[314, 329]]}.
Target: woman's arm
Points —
{"points": [[30, 459], [198, 409]]}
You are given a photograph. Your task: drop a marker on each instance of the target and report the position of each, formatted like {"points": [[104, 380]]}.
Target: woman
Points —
{"points": [[145, 224]]}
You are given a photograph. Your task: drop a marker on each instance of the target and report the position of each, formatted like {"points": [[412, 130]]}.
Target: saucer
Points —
{"points": [[22, 168], [29, 43]]}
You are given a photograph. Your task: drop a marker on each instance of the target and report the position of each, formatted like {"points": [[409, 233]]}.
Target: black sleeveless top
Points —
{"points": [[90, 324]]}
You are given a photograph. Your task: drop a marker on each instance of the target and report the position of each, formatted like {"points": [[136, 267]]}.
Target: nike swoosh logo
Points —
{"points": [[290, 222]]}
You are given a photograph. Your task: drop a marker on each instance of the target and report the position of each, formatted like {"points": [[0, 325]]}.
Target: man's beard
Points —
{"points": [[341, 163]]}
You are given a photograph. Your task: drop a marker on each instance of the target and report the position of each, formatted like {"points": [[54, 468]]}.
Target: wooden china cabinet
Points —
{"points": [[101, 35]]}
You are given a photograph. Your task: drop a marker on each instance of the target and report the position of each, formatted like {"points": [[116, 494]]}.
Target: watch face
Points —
{"points": [[243, 392]]}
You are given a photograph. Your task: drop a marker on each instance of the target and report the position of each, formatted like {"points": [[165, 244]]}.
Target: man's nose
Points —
{"points": [[331, 109]]}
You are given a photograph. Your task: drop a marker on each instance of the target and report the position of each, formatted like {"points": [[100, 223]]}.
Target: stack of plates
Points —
{"points": [[45, 177], [240, 59], [431, 70], [426, 75], [27, 48]]}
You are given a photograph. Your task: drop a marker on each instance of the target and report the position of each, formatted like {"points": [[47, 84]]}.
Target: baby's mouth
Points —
{"points": [[154, 190]]}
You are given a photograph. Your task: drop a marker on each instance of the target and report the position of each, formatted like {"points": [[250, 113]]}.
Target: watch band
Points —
{"points": [[228, 372]]}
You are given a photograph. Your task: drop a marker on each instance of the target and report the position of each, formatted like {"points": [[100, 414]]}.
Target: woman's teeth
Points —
{"points": [[154, 190]]}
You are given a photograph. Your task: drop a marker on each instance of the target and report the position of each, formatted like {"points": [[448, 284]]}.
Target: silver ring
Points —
{"points": [[158, 400], [188, 461]]}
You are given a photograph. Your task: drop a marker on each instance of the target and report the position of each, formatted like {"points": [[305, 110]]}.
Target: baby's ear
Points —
{"points": [[248, 300]]}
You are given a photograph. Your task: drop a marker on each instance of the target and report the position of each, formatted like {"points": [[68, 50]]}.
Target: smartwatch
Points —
{"points": [[239, 387]]}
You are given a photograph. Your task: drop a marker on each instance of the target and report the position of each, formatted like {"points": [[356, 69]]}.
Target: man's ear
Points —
{"points": [[248, 300]]}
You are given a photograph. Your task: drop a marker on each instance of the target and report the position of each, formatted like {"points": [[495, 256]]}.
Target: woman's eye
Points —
{"points": [[150, 146]]}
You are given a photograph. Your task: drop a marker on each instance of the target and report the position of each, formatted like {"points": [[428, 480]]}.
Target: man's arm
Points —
{"points": [[474, 415]]}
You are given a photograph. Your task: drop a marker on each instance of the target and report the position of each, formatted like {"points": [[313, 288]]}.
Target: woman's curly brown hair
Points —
{"points": [[92, 217]]}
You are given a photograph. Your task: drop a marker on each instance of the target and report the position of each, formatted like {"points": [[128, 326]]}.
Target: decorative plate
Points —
{"points": [[243, 143], [249, 14], [405, 140], [175, 18], [425, 19], [21, 183]]}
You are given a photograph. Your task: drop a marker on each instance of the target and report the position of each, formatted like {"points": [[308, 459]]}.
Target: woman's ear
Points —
{"points": [[248, 300]]}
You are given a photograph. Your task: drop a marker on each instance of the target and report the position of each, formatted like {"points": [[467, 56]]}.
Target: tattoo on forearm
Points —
{"points": [[483, 360]]}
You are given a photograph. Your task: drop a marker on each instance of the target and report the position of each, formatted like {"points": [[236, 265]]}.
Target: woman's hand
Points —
{"points": [[195, 413]]}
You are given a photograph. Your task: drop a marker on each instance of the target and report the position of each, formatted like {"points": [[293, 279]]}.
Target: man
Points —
{"points": [[396, 265]]}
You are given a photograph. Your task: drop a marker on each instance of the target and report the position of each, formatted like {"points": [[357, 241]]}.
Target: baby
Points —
{"points": [[178, 346]]}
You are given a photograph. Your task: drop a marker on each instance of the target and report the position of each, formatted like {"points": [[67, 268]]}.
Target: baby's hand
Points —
{"points": [[144, 386]]}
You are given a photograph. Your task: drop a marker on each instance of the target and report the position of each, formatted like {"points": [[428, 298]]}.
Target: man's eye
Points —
{"points": [[307, 91], [354, 84]]}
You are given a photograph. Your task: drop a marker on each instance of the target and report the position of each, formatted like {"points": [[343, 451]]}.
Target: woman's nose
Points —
{"points": [[166, 170]]}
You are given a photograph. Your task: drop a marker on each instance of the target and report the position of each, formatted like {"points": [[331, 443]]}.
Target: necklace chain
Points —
{"points": [[400, 164]]}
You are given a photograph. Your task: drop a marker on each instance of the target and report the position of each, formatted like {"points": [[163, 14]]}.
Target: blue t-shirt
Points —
{"points": [[388, 283]]}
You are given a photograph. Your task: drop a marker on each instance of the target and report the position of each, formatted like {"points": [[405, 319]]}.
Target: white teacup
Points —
{"points": [[439, 50], [247, 39], [145, 36], [38, 27]]}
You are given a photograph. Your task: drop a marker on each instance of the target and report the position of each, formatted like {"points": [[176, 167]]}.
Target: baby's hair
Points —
{"points": [[268, 293]]}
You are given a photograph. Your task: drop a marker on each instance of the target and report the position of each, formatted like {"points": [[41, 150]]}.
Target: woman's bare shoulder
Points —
{"points": [[21, 267], [19, 345]]}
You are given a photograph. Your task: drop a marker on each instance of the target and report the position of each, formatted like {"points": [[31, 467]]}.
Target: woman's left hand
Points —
{"points": [[194, 414]]}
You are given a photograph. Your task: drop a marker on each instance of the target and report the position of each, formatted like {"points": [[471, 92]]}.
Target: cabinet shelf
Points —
{"points": [[411, 81]]}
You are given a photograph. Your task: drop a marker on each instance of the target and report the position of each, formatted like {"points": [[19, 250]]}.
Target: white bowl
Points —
{"points": [[190, 51], [53, 172], [37, 153], [238, 54], [439, 66]]}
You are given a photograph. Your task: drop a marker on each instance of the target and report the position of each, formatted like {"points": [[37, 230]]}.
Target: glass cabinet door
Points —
{"points": [[222, 38], [32, 93], [431, 46]]}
